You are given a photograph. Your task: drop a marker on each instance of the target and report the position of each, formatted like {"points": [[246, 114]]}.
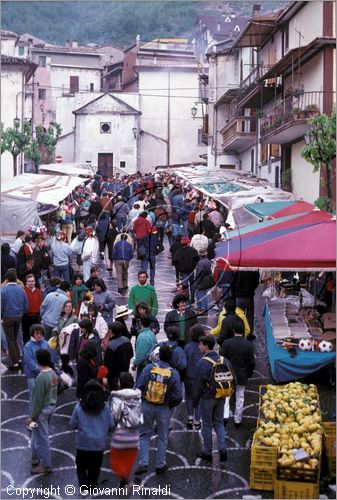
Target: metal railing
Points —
{"points": [[299, 106]]}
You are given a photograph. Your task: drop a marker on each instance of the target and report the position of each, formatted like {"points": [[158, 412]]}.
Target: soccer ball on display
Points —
{"points": [[305, 345], [325, 346]]}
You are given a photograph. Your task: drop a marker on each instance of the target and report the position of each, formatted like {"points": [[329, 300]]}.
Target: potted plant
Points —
{"points": [[311, 110], [297, 113]]}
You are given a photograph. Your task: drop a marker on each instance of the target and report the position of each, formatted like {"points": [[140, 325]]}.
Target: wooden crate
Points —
{"points": [[262, 479], [294, 489], [330, 446], [263, 457], [302, 475], [330, 438]]}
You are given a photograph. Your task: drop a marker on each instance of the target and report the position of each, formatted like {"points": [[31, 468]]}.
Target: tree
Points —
{"points": [[16, 141], [47, 139], [320, 151]]}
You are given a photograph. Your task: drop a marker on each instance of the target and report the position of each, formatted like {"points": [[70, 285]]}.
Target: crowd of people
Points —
{"points": [[61, 325]]}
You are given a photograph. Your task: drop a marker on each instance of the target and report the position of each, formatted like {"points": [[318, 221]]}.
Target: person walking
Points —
{"points": [[14, 304], [161, 388], [60, 253], [126, 410], [244, 285], [104, 300], [211, 408], [240, 352], [117, 355], [92, 420], [145, 343], [231, 317], [90, 252], [51, 308], [87, 365], [120, 213], [182, 317], [185, 261], [144, 292], [31, 367], [7, 260], [203, 282], [43, 401], [122, 314], [152, 248], [193, 355], [35, 300], [42, 260], [122, 253]]}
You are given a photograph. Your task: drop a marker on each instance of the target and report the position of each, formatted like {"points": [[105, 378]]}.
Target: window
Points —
{"points": [[200, 143], [252, 160], [105, 128], [91, 87], [122, 164], [42, 61], [263, 152], [227, 166], [21, 51], [74, 84], [42, 94]]}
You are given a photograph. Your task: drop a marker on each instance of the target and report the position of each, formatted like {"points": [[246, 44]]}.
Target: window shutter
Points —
{"points": [[263, 153], [74, 84], [274, 150]]}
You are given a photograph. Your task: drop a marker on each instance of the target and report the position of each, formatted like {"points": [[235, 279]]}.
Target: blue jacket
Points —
{"points": [[30, 365], [61, 253], [92, 429], [203, 375], [122, 250], [14, 301], [174, 393], [193, 355], [178, 360], [51, 307], [102, 227]]}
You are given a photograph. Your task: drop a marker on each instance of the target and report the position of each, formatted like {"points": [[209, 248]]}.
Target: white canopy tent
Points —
{"points": [[233, 190], [75, 169], [46, 190], [17, 213]]}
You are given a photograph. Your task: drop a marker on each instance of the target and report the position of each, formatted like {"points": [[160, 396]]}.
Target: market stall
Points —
{"points": [[287, 360], [46, 190], [295, 346]]}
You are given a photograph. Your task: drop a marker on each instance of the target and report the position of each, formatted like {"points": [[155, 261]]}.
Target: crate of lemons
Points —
{"points": [[290, 419]]}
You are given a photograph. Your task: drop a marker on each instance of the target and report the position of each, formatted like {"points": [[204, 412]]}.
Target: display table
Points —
{"points": [[284, 366]]}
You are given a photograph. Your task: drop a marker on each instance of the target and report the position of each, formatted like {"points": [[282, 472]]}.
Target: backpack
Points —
{"points": [[221, 380], [157, 386]]}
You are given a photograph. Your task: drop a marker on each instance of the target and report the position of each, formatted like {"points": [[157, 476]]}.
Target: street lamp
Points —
{"points": [[134, 131], [194, 111]]}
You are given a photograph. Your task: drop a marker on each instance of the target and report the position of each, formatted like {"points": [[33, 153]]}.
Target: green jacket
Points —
{"points": [[146, 342], [44, 392], [146, 294]]}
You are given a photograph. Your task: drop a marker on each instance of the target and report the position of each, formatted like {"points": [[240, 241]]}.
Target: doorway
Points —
{"points": [[105, 164]]}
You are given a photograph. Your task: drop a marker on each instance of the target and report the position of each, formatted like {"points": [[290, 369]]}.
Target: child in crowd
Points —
{"points": [[92, 420], [126, 410]]}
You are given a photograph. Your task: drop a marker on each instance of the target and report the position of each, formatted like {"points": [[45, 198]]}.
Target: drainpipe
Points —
{"points": [[215, 115], [168, 118]]}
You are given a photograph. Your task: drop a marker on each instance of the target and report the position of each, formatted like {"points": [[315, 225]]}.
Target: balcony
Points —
{"points": [[287, 122], [254, 92], [239, 134]]}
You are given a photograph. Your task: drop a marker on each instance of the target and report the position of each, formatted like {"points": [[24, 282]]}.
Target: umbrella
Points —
{"points": [[308, 248]]}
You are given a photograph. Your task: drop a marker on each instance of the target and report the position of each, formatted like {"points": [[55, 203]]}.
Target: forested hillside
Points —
{"points": [[115, 22]]}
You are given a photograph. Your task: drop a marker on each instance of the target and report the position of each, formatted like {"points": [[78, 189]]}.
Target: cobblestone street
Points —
{"points": [[186, 477]]}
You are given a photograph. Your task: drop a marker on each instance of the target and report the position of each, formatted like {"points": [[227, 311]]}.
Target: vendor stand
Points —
{"points": [[291, 243]]}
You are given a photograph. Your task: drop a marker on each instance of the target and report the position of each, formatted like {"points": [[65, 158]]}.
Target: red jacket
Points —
{"points": [[34, 299], [141, 227]]}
